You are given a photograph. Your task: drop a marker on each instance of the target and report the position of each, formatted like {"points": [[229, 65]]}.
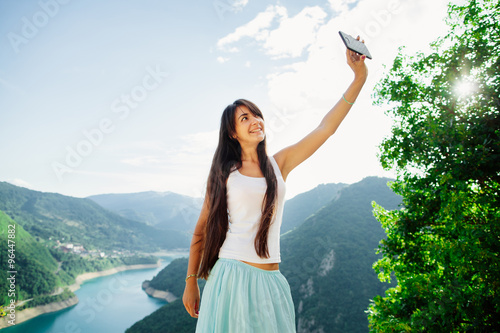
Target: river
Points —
{"points": [[106, 304]]}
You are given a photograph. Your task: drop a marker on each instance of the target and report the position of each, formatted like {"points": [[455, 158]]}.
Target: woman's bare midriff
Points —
{"points": [[267, 267]]}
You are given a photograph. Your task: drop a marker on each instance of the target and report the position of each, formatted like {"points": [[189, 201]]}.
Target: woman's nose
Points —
{"points": [[256, 120]]}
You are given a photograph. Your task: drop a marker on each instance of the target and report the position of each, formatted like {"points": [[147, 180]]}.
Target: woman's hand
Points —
{"points": [[191, 297], [357, 64]]}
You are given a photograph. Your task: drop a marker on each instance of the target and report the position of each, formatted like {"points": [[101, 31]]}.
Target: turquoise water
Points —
{"points": [[107, 304]]}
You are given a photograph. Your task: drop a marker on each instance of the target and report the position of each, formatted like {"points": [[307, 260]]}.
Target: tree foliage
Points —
{"points": [[443, 245]]}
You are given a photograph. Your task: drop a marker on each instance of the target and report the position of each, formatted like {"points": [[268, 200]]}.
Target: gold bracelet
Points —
{"points": [[190, 275], [347, 101]]}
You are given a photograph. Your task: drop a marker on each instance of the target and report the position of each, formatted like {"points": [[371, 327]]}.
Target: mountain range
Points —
{"points": [[163, 210], [80, 220], [172, 211]]}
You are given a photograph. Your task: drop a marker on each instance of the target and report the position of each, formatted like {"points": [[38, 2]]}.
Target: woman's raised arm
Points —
{"points": [[290, 157]]}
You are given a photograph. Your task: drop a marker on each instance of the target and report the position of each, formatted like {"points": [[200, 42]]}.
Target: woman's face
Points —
{"points": [[249, 128]]}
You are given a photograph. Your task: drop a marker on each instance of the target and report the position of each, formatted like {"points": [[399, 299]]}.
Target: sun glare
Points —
{"points": [[464, 88]]}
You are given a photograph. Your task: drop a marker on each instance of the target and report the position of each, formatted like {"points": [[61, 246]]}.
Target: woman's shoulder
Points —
{"points": [[277, 162], [278, 158]]}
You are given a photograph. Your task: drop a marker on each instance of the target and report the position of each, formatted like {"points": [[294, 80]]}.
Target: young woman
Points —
{"points": [[235, 245]]}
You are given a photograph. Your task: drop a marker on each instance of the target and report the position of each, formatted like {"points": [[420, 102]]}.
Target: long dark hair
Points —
{"points": [[226, 157]]}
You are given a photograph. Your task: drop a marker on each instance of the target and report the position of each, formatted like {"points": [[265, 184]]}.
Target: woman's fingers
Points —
{"points": [[190, 311], [193, 309], [357, 62], [191, 300], [196, 309], [354, 56]]}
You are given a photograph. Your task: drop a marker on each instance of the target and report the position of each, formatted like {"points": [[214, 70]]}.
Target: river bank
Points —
{"points": [[27, 314], [92, 275], [24, 315], [172, 253], [160, 294]]}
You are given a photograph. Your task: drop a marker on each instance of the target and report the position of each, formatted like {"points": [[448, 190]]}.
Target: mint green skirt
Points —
{"points": [[240, 298]]}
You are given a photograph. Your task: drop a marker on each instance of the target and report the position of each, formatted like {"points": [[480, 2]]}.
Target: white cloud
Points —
{"points": [[289, 39], [294, 34], [21, 183], [222, 60], [385, 25], [141, 160], [234, 6], [148, 145], [180, 166], [257, 28], [166, 154], [201, 142], [340, 6], [239, 4]]}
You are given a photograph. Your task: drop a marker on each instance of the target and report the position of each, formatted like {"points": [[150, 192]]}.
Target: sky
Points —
{"points": [[126, 96]]}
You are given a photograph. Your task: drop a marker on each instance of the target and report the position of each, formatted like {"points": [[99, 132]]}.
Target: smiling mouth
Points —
{"points": [[256, 131]]}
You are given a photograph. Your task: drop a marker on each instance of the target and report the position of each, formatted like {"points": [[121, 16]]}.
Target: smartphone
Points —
{"points": [[355, 45]]}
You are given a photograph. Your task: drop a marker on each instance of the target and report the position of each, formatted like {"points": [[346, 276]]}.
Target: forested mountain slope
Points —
{"points": [[298, 209], [328, 259], [82, 221]]}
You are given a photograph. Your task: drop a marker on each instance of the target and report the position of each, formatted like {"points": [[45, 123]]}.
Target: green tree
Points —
{"points": [[443, 245]]}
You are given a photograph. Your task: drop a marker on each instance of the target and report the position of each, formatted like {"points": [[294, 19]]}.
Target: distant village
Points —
{"points": [[80, 250]]}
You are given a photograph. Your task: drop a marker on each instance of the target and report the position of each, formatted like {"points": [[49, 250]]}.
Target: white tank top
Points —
{"points": [[244, 202]]}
